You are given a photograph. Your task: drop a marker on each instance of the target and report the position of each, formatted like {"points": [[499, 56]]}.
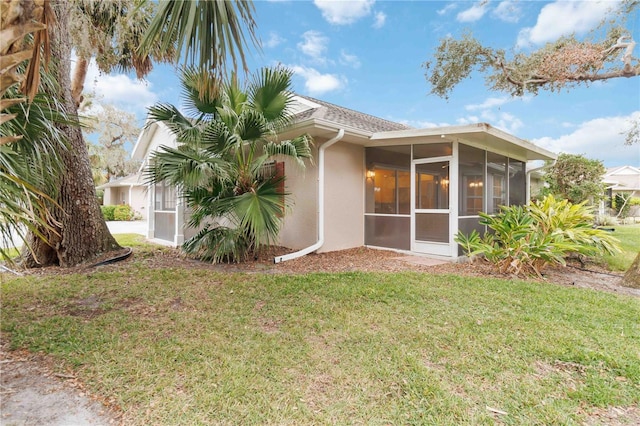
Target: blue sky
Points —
{"points": [[368, 54]]}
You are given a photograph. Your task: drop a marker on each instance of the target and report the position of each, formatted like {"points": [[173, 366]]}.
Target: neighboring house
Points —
{"points": [[130, 190], [623, 179], [377, 183]]}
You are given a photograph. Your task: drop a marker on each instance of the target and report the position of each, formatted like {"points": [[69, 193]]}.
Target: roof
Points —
{"points": [[623, 178], [131, 180], [322, 110], [323, 119]]}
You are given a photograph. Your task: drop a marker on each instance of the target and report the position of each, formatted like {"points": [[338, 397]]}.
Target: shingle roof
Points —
{"points": [[348, 117]]}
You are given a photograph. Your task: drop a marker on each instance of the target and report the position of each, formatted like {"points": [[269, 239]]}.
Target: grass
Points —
{"points": [[190, 346], [629, 236]]}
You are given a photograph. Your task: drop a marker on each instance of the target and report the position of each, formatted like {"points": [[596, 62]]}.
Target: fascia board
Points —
{"points": [[460, 132]]}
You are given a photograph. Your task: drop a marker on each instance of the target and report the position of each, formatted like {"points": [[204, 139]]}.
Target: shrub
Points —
{"points": [[123, 212], [108, 212], [606, 220], [523, 239]]}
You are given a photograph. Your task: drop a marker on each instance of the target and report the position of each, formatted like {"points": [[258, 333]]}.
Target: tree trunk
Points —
{"points": [[83, 234], [632, 277]]}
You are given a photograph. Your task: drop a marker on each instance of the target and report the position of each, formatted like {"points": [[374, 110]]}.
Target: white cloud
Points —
{"points": [[501, 120], [489, 103], [599, 139], [120, 90], [274, 40], [471, 119], [314, 45], [474, 13], [317, 83], [380, 19], [340, 12], [563, 18], [447, 9], [349, 60], [507, 11], [427, 124], [508, 122]]}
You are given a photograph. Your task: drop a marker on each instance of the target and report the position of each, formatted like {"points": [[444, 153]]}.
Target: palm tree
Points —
{"points": [[219, 164], [28, 168], [80, 232]]}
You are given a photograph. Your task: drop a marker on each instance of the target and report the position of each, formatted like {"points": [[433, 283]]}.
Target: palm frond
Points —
{"points": [[298, 149], [270, 94], [200, 90], [185, 167], [252, 126], [207, 33], [185, 130]]}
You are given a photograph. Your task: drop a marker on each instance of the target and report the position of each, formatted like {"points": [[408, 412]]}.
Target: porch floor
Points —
{"points": [[423, 260]]}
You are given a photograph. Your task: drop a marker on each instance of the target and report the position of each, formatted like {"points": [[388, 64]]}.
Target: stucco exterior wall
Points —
{"points": [[344, 200], [344, 197], [139, 202], [300, 227]]}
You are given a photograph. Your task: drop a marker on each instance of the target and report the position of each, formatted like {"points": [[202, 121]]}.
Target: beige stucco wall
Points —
{"points": [[344, 197], [344, 217], [139, 201], [299, 229]]}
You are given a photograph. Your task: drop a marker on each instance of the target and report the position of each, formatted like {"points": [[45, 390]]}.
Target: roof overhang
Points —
{"points": [[325, 129], [141, 147], [481, 135]]}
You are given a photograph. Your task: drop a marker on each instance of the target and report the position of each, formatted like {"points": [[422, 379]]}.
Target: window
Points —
{"points": [[496, 182], [471, 180], [165, 196], [388, 180], [517, 183], [432, 185], [388, 197]]}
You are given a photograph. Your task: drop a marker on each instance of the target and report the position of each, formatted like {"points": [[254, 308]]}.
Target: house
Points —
{"points": [[623, 179], [130, 190], [376, 183]]}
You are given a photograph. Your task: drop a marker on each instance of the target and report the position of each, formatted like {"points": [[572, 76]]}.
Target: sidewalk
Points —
{"points": [[128, 227]]}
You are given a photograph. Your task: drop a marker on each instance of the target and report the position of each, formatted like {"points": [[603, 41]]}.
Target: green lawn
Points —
{"points": [[629, 236], [178, 346]]}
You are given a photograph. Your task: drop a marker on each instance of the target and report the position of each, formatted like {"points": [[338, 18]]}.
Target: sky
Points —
{"points": [[368, 55]]}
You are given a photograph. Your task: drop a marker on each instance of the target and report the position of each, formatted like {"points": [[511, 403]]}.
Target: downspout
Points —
{"points": [[320, 241]]}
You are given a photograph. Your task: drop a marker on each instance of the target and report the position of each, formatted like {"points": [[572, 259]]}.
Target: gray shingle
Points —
{"points": [[348, 117]]}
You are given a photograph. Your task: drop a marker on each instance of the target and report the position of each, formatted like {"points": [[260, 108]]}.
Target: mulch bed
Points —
{"points": [[356, 259]]}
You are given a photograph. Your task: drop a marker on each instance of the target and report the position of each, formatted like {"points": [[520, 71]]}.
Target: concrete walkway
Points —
{"points": [[128, 227]]}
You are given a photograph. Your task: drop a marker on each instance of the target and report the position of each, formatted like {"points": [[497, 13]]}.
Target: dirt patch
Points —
{"points": [[32, 394]]}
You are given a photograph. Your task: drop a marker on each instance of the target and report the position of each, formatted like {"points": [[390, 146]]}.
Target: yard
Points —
{"points": [[196, 344]]}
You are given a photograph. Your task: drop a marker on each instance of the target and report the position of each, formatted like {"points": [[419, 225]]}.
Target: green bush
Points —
{"points": [[523, 239], [108, 212], [123, 212]]}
